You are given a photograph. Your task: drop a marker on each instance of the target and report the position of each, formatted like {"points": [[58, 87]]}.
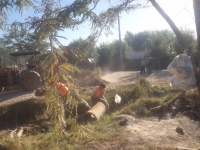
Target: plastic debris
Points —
{"points": [[117, 99], [182, 69], [19, 134]]}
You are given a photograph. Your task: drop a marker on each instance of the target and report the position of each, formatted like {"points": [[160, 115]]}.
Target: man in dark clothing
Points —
{"points": [[143, 63], [149, 64], [31, 65]]}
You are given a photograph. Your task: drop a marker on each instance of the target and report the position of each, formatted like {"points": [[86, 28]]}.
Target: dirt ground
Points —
{"points": [[14, 96], [153, 131], [113, 79], [150, 131], [130, 77]]}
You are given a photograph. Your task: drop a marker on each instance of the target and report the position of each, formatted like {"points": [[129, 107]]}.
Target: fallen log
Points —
{"points": [[169, 102]]}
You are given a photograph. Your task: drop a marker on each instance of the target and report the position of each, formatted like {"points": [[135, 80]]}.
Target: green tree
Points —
{"points": [[189, 40], [20, 39], [6, 60], [104, 55], [196, 5], [6, 5], [109, 54], [83, 48], [137, 41], [50, 17], [158, 45]]}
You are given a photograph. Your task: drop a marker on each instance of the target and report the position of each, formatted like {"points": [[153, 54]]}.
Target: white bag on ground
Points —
{"points": [[181, 66], [178, 83], [182, 69], [117, 99]]}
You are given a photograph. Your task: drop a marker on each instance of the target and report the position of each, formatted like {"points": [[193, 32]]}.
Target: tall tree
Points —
{"points": [[170, 22], [83, 48], [189, 40], [20, 39], [137, 41], [196, 5], [158, 45], [9, 5]]}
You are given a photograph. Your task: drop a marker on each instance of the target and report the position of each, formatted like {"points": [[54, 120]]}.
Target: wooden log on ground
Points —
{"points": [[169, 102]]}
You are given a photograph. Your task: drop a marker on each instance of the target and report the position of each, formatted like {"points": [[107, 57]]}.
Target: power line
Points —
{"points": [[188, 24]]}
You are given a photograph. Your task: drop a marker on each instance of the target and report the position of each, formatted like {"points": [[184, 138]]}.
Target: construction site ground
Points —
{"points": [[155, 132]]}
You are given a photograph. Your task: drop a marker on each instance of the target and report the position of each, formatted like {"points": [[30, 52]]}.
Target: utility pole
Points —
{"points": [[120, 44]]}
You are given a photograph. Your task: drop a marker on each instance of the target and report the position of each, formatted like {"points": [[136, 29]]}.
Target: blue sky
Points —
{"points": [[181, 11]]}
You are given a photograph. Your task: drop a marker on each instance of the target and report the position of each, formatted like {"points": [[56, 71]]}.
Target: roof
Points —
{"points": [[25, 53]]}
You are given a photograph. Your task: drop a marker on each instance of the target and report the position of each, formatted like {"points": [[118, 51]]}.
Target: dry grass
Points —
{"points": [[138, 98]]}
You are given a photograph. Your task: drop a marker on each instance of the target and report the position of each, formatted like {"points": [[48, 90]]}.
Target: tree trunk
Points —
{"points": [[171, 23], [159, 63], [196, 6]]}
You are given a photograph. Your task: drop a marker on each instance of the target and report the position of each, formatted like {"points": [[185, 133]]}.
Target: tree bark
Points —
{"points": [[196, 6], [170, 22]]}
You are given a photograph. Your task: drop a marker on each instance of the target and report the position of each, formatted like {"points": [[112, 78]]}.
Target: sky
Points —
{"points": [[180, 11]]}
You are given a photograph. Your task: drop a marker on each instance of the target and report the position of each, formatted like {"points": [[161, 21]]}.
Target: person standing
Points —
{"points": [[149, 67], [32, 60], [143, 63], [32, 63]]}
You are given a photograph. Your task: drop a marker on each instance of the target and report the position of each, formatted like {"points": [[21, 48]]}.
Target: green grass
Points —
{"points": [[138, 98]]}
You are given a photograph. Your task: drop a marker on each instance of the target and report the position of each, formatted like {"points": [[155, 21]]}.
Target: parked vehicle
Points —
{"points": [[28, 79]]}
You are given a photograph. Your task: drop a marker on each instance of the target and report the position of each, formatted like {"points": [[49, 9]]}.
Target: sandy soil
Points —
{"points": [[130, 77], [160, 133], [151, 132], [114, 79]]}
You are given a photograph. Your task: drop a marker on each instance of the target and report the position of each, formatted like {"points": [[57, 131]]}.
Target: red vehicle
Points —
{"points": [[28, 79]]}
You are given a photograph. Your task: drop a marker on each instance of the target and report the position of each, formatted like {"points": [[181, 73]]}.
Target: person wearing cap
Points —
{"points": [[98, 93]]}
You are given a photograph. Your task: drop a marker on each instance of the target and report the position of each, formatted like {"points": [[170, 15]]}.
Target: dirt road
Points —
{"points": [[130, 77], [15, 96], [115, 79]]}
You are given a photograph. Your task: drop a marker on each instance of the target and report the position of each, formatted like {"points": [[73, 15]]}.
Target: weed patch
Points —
{"points": [[138, 98], [21, 113]]}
